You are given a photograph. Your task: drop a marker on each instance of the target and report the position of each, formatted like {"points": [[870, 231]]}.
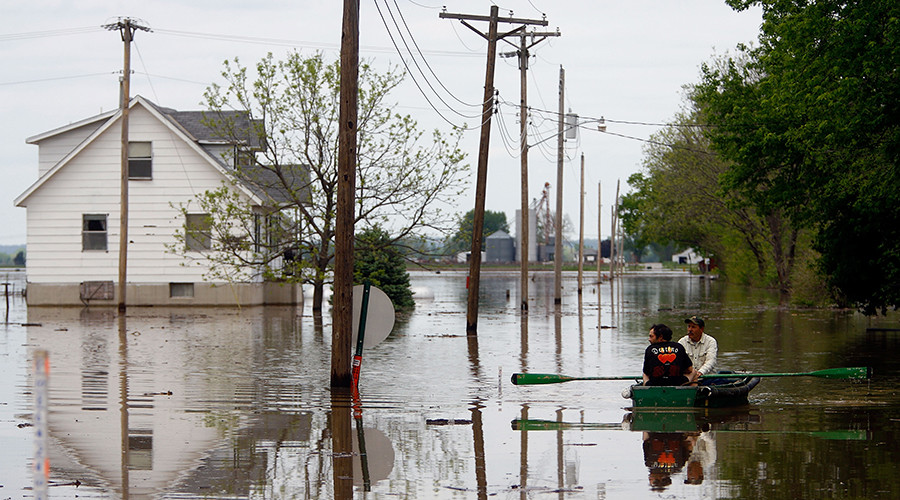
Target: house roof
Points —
{"points": [[496, 235], [280, 185], [221, 127], [98, 119], [168, 118]]}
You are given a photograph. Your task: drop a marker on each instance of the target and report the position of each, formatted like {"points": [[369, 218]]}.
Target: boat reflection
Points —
{"points": [[676, 442], [680, 446], [673, 442]]}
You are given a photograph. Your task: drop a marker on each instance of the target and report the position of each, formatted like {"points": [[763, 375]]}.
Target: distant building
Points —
{"points": [[532, 236], [500, 247], [687, 257], [73, 210]]}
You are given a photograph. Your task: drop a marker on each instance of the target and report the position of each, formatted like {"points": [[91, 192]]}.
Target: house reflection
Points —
{"points": [[175, 400]]}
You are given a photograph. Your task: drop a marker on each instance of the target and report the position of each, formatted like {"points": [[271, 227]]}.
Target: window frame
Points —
{"points": [[179, 290], [90, 237], [140, 163], [197, 232]]}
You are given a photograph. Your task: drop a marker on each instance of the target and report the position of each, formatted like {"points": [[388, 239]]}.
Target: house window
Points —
{"points": [[140, 162], [197, 232], [244, 158], [257, 233], [181, 290], [93, 232]]}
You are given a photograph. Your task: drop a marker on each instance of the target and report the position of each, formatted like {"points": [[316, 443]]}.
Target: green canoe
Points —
{"points": [[729, 393]]}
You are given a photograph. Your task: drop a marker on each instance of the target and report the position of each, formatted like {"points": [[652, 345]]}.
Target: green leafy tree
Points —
{"points": [[810, 121], [405, 178], [462, 238], [678, 198], [379, 260]]}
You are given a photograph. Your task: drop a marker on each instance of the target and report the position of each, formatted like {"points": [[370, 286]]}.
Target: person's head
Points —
{"points": [[659, 481], [694, 473], [660, 333], [695, 326]]}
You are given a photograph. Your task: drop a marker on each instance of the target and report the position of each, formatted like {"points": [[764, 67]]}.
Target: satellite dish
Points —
{"points": [[379, 319]]}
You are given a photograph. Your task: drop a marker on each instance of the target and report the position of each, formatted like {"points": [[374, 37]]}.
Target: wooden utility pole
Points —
{"points": [[599, 239], [523, 138], [557, 248], [126, 28], [491, 36], [342, 325], [613, 255], [581, 230]]}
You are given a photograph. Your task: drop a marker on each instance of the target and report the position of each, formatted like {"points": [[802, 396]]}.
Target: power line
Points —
{"points": [[72, 77], [400, 13], [414, 60], [49, 33], [415, 81], [293, 43]]}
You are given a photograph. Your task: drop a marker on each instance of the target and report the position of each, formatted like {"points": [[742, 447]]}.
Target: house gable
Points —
{"points": [[73, 132], [84, 185]]}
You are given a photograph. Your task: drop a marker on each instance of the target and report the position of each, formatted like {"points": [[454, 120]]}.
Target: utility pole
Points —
{"points": [[613, 255], [491, 36], [342, 326], [126, 27], [599, 239], [581, 230], [522, 54], [557, 248]]}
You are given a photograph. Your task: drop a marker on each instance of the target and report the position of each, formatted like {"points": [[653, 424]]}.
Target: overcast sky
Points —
{"points": [[626, 61]]}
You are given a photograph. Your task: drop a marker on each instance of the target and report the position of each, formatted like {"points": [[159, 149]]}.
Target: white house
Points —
{"points": [[689, 256], [73, 211]]}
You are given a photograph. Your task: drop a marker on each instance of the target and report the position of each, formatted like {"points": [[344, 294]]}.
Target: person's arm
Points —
{"points": [[646, 378], [712, 352], [691, 374]]}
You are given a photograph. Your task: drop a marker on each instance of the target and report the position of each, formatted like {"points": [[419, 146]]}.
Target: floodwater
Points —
{"points": [[228, 403]]}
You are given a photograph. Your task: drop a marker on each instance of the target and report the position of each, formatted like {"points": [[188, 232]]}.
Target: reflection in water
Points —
{"points": [[144, 449], [664, 454], [221, 403], [342, 444]]}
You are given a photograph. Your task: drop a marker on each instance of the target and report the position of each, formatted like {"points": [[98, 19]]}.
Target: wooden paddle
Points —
{"points": [[856, 373]]}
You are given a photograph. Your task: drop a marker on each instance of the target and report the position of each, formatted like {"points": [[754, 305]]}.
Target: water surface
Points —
{"points": [[215, 402]]}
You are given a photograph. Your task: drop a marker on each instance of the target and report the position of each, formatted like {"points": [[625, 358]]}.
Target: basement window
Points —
{"points": [[181, 290]]}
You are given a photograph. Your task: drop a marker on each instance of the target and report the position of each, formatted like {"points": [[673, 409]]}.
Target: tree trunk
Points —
{"points": [[782, 257]]}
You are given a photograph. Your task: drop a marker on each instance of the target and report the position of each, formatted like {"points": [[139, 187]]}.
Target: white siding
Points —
{"points": [[89, 183], [54, 149]]}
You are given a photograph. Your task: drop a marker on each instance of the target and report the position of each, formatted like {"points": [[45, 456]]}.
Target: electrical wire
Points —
{"points": [[513, 148], [73, 77], [50, 33], [415, 60], [144, 65], [419, 50], [415, 81], [293, 43]]}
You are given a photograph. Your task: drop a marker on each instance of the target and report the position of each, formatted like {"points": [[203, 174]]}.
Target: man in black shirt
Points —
{"points": [[665, 362]]}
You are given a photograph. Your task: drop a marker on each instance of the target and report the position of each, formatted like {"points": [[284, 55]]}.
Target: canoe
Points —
{"points": [[730, 392]]}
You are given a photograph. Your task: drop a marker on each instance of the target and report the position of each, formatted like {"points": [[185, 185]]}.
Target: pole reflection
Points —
{"points": [[341, 443], [124, 433]]}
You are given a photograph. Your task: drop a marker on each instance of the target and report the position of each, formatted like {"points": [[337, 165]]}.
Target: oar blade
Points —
{"points": [[539, 378], [853, 373]]}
